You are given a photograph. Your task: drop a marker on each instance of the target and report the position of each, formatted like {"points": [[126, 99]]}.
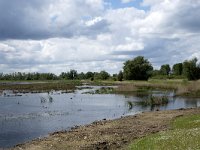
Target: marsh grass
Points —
{"points": [[103, 90], [40, 87], [185, 134], [190, 89], [154, 101], [180, 87]]}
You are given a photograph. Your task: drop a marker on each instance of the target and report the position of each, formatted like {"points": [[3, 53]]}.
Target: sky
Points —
{"points": [[93, 35]]}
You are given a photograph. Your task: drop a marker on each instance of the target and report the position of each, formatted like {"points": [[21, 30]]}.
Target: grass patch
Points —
{"points": [[180, 87], [155, 101], [185, 135], [40, 86], [103, 90]]}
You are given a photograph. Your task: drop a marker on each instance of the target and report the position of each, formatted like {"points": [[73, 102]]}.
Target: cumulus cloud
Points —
{"points": [[58, 35], [36, 19]]}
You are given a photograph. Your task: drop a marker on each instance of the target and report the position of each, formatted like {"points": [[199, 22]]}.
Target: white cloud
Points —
{"points": [[94, 38], [93, 21]]}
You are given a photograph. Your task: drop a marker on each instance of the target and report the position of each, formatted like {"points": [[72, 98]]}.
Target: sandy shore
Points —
{"points": [[108, 134]]}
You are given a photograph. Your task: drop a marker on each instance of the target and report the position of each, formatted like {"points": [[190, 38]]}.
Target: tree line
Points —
{"points": [[70, 75], [138, 68]]}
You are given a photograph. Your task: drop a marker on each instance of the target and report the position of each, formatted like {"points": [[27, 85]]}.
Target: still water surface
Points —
{"points": [[24, 117]]}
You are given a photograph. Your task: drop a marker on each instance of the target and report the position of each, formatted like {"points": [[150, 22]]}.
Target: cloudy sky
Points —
{"points": [[93, 35]]}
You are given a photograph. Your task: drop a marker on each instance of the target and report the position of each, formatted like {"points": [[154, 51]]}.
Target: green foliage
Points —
{"points": [[103, 75], [81, 76], [177, 69], [165, 69], [89, 75], [120, 76], [28, 76], [71, 75], [185, 135], [137, 69], [191, 70]]}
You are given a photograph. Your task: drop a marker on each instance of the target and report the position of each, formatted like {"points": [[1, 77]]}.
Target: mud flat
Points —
{"points": [[109, 134]]}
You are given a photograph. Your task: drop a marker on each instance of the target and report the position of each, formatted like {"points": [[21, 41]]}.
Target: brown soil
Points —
{"points": [[112, 134]]}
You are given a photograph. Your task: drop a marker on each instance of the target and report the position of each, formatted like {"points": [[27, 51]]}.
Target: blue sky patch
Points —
{"points": [[115, 4]]}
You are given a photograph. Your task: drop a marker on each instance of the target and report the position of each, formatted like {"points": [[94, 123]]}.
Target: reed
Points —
{"points": [[181, 87], [155, 101], [39, 87]]}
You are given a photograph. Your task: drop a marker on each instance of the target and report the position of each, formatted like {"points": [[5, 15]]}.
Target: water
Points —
{"points": [[24, 117]]}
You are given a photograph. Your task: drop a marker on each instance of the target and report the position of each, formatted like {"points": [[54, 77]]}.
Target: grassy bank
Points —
{"points": [[185, 134], [180, 87], [39, 86]]}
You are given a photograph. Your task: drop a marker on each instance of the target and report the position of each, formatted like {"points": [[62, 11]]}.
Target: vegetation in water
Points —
{"points": [[185, 134], [102, 90], [40, 87], [154, 101]]}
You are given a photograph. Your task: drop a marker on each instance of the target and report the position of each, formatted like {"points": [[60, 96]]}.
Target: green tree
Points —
{"points": [[114, 77], [81, 76], [120, 76], [191, 70], [103, 75], [137, 69], [177, 69], [72, 75], [89, 75], [165, 69]]}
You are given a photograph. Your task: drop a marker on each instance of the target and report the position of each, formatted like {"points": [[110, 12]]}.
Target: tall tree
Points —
{"points": [[89, 75], [191, 70], [103, 75], [177, 69], [165, 69], [72, 74], [137, 69], [81, 76], [120, 76]]}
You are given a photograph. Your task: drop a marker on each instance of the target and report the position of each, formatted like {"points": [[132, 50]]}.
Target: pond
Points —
{"points": [[26, 116]]}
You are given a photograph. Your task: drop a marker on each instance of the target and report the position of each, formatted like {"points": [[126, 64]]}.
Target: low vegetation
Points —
{"points": [[185, 134], [154, 101], [40, 87], [180, 87]]}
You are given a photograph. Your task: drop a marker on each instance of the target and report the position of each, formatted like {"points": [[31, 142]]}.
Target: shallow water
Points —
{"points": [[24, 117]]}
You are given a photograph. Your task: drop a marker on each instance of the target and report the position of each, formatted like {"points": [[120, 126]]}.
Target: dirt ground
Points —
{"points": [[111, 134]]}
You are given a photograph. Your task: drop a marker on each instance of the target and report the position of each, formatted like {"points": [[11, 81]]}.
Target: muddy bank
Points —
{"points": [[111, 134]]}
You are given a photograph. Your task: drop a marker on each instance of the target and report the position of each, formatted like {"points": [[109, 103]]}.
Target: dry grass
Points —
{"points": [[38, 87], [190, 89], [181, 87], [126, 88]]}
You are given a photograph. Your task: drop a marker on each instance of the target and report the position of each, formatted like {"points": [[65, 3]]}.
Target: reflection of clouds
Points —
{"points": [[12, 117]]}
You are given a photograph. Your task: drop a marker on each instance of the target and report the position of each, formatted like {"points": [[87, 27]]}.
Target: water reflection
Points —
{"points": [[24, 116]]}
